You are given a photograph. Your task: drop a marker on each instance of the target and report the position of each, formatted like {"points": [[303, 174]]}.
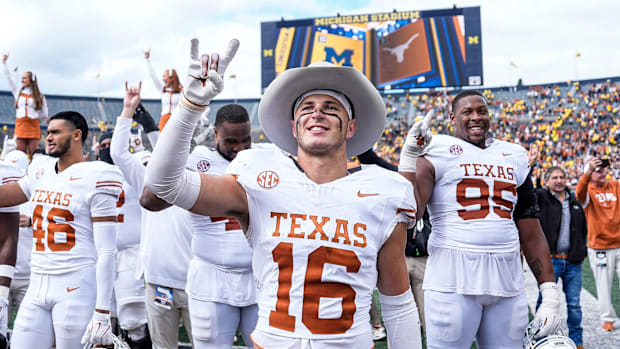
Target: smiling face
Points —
{"points": [[321, 125], [26, 79], [470, 119], [166, 78], [231, 138]]}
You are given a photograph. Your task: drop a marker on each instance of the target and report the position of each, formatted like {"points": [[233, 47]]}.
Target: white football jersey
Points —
{"points": [[475, 193], [228, 247], [61, 216], [315, 245], [129, 217], [9, 173]]}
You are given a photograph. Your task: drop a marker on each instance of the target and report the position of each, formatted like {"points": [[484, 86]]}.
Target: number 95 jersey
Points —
{"points": [[63, 205], [475, 193], [315, 245]]}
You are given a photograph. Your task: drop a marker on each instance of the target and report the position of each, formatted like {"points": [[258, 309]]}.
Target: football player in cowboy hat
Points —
{"points": [[322, 237]]}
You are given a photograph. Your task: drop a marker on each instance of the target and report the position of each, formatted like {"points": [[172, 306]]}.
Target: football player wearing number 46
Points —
{"points": [[74, 253], [483, 208], [322, 238]]}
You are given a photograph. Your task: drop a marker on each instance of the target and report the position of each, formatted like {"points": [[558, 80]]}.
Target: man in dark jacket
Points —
{"points": [[564, 224]]}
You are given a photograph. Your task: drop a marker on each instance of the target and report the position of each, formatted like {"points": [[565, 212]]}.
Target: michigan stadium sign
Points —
{"points": [[395, 50]]}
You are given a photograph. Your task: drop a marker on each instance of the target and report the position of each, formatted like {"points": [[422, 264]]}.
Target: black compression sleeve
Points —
{"points": [[370, 157], [527, 202]]}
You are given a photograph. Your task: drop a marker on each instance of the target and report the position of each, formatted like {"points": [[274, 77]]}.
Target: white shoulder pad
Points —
{"points": [[108, 179], [9, 173]]}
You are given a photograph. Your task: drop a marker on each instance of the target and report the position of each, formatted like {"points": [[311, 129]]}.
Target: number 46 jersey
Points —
{"points": [[315, 245], [63, 204], [475, 193]]}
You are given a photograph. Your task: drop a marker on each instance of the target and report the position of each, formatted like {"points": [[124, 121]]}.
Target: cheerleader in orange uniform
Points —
{"points": [[31, 106], [170, 89]]}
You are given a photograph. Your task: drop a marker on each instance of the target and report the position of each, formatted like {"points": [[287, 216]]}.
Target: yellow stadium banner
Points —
{"points": [[340, 50], [283, 48]]}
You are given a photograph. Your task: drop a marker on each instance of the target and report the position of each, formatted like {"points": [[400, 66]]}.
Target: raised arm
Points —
{"points": [[119, 149], [7, 73], [419, 171], [166, 175], [581, 191], [149, 67]]}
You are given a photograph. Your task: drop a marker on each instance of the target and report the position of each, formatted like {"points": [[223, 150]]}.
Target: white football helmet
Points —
{"points": [[554, 341]]}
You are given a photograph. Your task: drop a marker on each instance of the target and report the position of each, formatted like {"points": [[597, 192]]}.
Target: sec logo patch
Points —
{"points": [[456, 149], [268, 179], [203, 166], [40, 173]]}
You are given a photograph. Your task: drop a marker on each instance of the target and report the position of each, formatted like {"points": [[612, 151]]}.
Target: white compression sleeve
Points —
{"points": [[401, 319], [104, 235], [166, 175]]}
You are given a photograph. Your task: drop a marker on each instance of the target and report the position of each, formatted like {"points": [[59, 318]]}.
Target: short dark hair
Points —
{"points": [[466, 94], [550, 171], [75, 118], [233, 113]]}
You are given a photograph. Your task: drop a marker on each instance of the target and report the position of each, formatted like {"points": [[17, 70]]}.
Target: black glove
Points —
{"points": [[144, 118]]}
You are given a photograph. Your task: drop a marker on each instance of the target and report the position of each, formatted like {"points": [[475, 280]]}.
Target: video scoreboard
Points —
{"points": [[395, 50]]}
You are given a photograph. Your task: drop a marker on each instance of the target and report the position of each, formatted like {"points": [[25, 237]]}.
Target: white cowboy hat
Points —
{"points": [[275, 110]]}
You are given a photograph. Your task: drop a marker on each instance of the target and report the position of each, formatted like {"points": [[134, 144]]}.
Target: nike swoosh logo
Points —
{"points": [[74, 178], [506, 154], [365, 195], [72, 289]]}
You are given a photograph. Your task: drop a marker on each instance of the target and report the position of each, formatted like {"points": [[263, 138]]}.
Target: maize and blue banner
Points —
{"points": [[395, 50]]}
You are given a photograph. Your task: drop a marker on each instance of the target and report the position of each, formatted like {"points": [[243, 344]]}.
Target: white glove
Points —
{"points": [[206, 75], [547, 318], [417, 140], [99, 331], [4, 316]]}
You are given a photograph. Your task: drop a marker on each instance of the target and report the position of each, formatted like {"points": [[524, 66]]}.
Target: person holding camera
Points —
{"points": [[599, 197]]}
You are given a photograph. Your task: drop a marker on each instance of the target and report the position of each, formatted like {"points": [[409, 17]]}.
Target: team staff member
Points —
{"points": [[317, 231], [473, 283], [564, 224], [599, 197], [30, 107], [170, 89]]}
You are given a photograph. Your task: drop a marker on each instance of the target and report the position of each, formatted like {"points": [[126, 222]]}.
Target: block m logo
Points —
{"points": [[333, 57]]}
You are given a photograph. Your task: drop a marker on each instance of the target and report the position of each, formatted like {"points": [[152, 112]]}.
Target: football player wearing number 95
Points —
{"points": [[73, 254], [322, 237], [483, 208]]}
